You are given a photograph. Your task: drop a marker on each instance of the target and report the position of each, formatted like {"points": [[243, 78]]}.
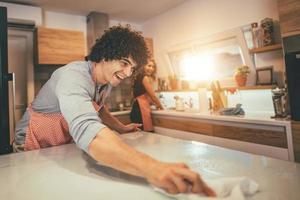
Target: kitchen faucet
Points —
{"points": [[190, 103]]}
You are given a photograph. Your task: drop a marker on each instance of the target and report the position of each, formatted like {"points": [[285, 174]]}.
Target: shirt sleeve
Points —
{"points": [[74, 92]]}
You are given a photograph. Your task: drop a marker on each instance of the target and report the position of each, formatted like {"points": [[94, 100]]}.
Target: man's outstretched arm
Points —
{"points": [[110, 150]]}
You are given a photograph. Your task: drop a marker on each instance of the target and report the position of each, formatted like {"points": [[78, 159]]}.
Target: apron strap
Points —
{"points": [[145, 112]]}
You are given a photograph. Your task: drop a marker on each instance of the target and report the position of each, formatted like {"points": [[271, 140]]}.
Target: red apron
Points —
{"points": [[45, 130], [144, 103]]}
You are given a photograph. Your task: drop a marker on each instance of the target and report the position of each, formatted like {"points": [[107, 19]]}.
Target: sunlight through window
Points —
{"points": [[197, 67]]}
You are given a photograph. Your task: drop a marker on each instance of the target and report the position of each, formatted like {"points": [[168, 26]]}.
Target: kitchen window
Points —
{"points": [[213, 58]]}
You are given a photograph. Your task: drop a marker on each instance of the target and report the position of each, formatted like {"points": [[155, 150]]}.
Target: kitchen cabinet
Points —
{"points": [[296, 139], [58, 47], [259, 135], [289, 17], [275, 138]]}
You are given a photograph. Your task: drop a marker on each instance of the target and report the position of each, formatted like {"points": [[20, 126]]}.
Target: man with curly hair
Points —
{"points": [[70, 107]]}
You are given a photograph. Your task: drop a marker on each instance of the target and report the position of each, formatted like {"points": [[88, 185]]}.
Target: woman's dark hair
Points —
{"points": [[120, 42], [140, 73]]}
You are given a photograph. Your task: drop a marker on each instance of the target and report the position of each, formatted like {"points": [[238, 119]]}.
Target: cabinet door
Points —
{"points": [[56, 46], [296, 139], [239, 132], [289, 16]]}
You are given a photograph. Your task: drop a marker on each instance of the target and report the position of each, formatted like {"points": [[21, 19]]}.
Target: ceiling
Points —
{"points": [[126, 10]]}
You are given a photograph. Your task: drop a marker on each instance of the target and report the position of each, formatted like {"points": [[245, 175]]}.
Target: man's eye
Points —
{"points": [[125, 64]]}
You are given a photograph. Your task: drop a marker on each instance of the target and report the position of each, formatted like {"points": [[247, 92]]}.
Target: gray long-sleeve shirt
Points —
{"points": [[70, 91]]}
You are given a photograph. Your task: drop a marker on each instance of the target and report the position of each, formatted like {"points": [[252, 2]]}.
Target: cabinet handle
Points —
{"points": [[12, 77]]}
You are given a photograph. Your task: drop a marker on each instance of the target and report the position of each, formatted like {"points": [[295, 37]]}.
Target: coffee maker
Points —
{"points": [[279, 102]]}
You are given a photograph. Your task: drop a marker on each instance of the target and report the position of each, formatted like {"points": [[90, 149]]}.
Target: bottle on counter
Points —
{"points": [[179, 104], [121, 106]]}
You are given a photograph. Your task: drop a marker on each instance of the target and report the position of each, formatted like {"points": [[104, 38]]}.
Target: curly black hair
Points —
{"points": [[120, 42]]}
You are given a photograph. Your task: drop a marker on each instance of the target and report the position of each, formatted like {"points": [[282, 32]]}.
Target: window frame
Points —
{"points": [[235, 33]]}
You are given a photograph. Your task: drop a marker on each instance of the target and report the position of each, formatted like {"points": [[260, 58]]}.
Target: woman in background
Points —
{"points": [[144, 96]]}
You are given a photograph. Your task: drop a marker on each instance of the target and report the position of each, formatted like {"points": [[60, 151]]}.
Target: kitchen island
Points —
{"points": [[65, 172], [254, 132]]}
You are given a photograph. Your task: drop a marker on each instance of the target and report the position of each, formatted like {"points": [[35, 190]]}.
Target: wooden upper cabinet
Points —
{"points": [[289, 17], [55, 46], [149, 43]]}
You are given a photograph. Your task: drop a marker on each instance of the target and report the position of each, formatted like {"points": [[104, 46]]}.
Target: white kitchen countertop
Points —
{"points": [[65, 172]]}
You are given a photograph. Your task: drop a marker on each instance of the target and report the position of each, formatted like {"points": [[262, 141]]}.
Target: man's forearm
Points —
{"points": [[109, 149], [110, 121]]}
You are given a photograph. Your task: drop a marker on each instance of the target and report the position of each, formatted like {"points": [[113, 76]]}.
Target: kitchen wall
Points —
{"points": [[135, 26], [195, 19], [24, 12], [254, 102], [46, 18], [64, 21], [55, 19]]}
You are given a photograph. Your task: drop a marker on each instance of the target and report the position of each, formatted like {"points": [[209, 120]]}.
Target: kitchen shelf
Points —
{"points": [[266, 48]]}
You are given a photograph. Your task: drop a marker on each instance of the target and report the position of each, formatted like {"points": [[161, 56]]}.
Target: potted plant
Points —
{"points": [[241, 75]]}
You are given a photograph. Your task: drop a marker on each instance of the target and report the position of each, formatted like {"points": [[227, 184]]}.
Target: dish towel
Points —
{"points": [[231, 188], [237, 110]]}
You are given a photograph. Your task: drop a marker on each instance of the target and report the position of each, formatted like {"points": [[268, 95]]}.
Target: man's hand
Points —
{"points": [[131, 128], [159, 108], [177, 178]]}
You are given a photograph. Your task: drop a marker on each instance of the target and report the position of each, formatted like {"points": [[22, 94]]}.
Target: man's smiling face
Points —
{"points": [[115, 71]]}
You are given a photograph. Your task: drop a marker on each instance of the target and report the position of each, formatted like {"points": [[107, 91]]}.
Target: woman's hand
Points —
{"points": [[131, 128], [177, 178]]}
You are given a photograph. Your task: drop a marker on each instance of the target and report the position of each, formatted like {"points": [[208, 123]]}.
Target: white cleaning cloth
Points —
{"points": [[233, 188]]}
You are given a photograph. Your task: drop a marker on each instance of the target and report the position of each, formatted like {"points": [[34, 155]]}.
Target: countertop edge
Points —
{"points": [[244, 119], [125, 112]]}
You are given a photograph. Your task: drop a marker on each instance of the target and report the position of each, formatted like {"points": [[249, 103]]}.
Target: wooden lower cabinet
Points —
{"points": [[258, 136], [184, 125], [276, 138], [296, 139]]}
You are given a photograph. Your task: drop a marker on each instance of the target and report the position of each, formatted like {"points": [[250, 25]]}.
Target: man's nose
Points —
{"points": [[128, 71]]}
